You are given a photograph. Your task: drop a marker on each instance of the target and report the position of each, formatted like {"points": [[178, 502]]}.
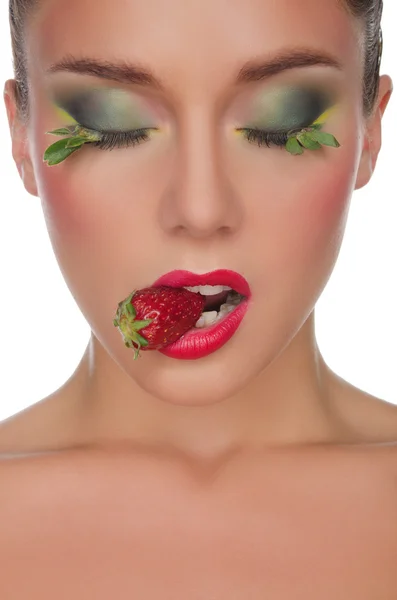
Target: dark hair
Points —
{"points": [[368, 11]]}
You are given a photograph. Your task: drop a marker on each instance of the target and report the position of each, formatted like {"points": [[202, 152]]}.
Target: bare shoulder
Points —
{"points": [[55, 421], [366, 418], [53, 427], [47, 425], [332, 505]]}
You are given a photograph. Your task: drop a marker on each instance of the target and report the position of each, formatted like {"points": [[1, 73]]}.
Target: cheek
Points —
{"points": [[323, 211], [62, 190], [63, 210], [315, 228], [73, 191], [299, 228], [82, 227], [80, 200], [92, 204], [323, 191]]}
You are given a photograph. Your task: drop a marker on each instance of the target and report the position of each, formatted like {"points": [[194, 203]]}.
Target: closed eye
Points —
{"points": [[120, 139], [265, 138]]}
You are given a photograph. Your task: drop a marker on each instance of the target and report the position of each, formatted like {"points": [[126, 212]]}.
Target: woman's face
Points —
{"points": [[197, 195]]}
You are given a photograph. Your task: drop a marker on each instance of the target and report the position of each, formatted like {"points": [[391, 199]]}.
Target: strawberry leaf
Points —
{"points": [[88, 135], [57, 152], [136, 354], [75, 142], [316, 126], [141, 324], [141, 340], [307, 141], [293, 146], [327, 139], [130, 308], [62, 131]]}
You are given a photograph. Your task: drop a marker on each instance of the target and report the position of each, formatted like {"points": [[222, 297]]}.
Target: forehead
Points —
{"points": [[198, 43]]}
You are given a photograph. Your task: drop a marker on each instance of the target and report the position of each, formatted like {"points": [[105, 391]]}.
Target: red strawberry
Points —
{"points": [[161, 315]]}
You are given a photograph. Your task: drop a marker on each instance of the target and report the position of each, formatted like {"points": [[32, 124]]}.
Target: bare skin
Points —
{"points": [[279, 475], [100, 520]]}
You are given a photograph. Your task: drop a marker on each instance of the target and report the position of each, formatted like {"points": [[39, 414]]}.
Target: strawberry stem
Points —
{"points": [[129, 327]]}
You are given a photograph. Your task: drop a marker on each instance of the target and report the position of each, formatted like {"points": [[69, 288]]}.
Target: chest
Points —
{"points": [[274, 538]]}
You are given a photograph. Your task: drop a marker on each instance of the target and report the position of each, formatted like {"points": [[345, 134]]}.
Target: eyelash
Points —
{"points": [[124, 139], [121, 139], [266, 138]]}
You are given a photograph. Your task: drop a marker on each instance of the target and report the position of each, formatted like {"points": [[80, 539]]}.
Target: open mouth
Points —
{"points": [[217, 305]]}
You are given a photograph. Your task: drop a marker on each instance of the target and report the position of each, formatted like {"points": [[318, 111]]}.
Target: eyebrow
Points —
{"points": [[253, 70]]}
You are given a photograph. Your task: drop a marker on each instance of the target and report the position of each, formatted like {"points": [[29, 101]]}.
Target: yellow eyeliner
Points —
{"points": [[325, 116], [64, 116]]}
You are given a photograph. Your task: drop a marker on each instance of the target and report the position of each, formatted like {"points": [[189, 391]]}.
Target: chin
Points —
{"points": [[196, 383]]}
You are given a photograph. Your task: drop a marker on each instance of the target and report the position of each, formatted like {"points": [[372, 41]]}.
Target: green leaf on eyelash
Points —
{"points": [[293, 146], [327, 139], [87, 134], [57, 152], [307, 141], [62, 131], [75, 142]]}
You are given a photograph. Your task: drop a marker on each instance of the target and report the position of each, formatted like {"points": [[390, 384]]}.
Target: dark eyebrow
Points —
{"points": [[253, 70], [256, 70]]}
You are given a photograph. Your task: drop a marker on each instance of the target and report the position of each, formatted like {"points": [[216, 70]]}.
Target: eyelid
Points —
{"points": [[103, 117], [285, 107], [64, 115], [325, 115]]}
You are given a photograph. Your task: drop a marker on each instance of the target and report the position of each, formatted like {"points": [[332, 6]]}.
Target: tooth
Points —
{"points": [[207, 318], [226, 308], [210, 316], [194, 289], [200, 323], [208, 290]]}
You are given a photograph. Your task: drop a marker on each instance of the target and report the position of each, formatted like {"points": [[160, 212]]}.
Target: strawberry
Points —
{"points": [[161, 315]]}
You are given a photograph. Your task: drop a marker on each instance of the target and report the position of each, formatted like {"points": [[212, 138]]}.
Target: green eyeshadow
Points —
{"points": [[290, 108], [103, 109]]}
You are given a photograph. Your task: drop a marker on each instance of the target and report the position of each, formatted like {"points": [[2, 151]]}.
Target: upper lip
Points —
{"points": [[220, 277]]}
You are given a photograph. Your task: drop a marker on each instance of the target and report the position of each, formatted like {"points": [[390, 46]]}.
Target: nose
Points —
{"points": [[200, 201]]}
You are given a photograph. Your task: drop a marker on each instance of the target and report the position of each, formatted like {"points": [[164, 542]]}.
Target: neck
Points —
{"points": [[290, 402]]}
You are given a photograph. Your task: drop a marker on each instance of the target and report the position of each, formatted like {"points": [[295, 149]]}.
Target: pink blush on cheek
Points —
{"points": [[79, 208], [319, 218], [333, 196], [63, 210], [71, 194], [333, 184], [330, 210], [73, 224]]}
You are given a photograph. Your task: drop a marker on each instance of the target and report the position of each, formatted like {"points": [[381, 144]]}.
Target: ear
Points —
{"points": [[19, 139], [373, 133]]}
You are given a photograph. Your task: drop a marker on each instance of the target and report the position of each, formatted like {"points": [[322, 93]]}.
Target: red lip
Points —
{"points": [[220, 277], [198, 343]]}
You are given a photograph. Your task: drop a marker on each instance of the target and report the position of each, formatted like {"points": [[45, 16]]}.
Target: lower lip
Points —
{"points": [[198, 343]]}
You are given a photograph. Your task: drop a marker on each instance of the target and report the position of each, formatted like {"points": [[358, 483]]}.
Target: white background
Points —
{"points": [[43, 333]]}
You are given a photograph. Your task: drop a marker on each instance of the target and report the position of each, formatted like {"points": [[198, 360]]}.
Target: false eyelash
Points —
{"points": [[131, 138], [266, 138], [121, 139], [124, 139]]}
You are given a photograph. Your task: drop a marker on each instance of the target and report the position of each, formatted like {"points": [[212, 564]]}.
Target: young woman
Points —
{"points": [[230, 462]]}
